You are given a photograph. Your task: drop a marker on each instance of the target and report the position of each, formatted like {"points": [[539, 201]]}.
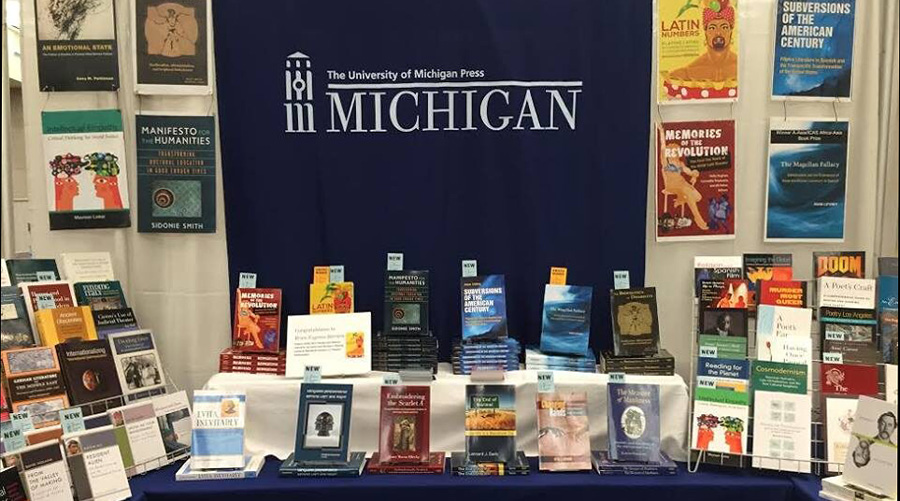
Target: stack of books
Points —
{"points": [[661, 364], [396, 353], [539, 361], [497, 355], [607, 467], [459, 465], [231, 360]]}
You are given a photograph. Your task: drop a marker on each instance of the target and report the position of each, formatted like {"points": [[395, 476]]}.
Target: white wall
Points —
{"points": [[670, 265]]}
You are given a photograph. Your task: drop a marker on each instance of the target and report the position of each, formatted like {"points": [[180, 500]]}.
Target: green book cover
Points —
{"points": [[100, 295]]}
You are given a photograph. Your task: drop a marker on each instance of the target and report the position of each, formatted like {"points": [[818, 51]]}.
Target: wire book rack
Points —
{"points": [[817, 462]]}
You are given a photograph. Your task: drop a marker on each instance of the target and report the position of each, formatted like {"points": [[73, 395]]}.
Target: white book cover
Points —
{"points": [[839, 415], [95, 463], [173, 415], [718, 262], [43, 472], [4, 275], [251, 469], [890, 383], [341, 344], [137, 363], [837, 489], [709, 432], [87, 267], [218, 429], [784, 334], [843, 292], [782, 431], [871, 462], [143, 435]]}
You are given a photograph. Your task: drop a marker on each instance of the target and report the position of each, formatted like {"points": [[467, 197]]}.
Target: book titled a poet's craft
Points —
{"points": [[61, 325], [484, 307], [218, 430], [331, 298], [635, 321], [566, 319], [633, 422], [490, 423], [842, 292], [564, 440], [405, 416], [100, 295], [257, 320]]}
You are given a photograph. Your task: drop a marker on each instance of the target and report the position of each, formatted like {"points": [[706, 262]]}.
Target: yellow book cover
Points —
{"points": [[697, 51], [331, 298], [58, 325]]}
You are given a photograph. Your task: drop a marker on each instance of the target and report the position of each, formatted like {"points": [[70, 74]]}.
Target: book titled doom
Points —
{"points": [[406, 302], [635, 321], [257, 320], [405, 416], [490, 423]]}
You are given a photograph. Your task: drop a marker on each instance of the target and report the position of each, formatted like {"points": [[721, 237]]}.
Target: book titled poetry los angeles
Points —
{"points": [[490, 423], [483, 307], [257, 320], [564, 440], [566, 320], [633, 422], [404, 436], [217, 440], [406, 302], [635, 321]]}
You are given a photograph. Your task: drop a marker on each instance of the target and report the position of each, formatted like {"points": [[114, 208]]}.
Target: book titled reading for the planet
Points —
{"points": [[633, 420], [483, 307], [564, 440], [406, 302], [217, 440], [566, 320], [404, 436], [490, 423], [635, 321], [257, 320]]}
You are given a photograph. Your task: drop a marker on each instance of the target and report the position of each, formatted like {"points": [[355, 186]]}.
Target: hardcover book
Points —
{"points": [[100, 295], [15, 328], [633, 422], [137, 364], [849, 333], [406, 295], [112, 321], [65, 324], [87, 266], [782, 412], [42, 471], [331, 298], [32, 270], [339, 344], [62, 292], [871, 462], [173, 416], [635, 321], [840, 292], [167, 64], [138, 437], [483, 307], [566, 320], [323, 428], [89, 372], [564, 439], [35, 384], [759, 267], [490, 423], [405, 415], [725, 330], [839, 414], [606, 466], [847, 379], [781, 331], [887, 317], [218, 430], [789, 293], [95, 464], [716, 268], [11, 484], [850, 264], [463, 466], [257, 320]]}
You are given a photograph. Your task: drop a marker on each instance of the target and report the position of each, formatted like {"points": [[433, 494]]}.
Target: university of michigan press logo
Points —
{"points": [[298, 93]]}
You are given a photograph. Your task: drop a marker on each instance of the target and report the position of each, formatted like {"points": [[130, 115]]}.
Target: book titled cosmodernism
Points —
{"points": [[137, 364], [35, 384], [633, 422], [564, 441], [16, 328], [218, 430], [483, 307], [139, 437], [782, 414], [406, 295], [871, 462], [100, 295], [566, 319], [339, 344], [849, 333], [404, 432], [490, 423], [635, 321], [95, 464], [257, 320], [90, 373], [43, 471], [323, 432]]}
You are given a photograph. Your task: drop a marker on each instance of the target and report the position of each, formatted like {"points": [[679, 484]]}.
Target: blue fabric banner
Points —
{"points": [[511, 132]]}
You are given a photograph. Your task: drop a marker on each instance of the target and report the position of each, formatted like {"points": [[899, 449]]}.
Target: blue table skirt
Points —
{"points": [[710, 483]]}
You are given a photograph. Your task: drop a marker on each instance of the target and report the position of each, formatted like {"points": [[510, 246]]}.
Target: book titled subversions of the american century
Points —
{"points": [[483, 307], [217, 440], [405, 413], [633, 416], [490, 423], [257, 320], [635, 321], [406, 302]]}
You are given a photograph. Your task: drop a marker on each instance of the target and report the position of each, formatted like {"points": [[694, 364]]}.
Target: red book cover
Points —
{"points": [[257, 320], [404, 424], [695, 189], [734, 293], [846, 379], [790, 293]]}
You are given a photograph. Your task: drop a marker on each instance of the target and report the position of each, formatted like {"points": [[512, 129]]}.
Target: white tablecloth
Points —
{"points": [[272, 403]]}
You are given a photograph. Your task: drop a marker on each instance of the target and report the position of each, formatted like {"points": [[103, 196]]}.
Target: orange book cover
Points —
{"points": [[257, 320]]}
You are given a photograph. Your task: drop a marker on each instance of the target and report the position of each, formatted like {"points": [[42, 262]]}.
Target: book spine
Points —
{"points": [[214, 475]]}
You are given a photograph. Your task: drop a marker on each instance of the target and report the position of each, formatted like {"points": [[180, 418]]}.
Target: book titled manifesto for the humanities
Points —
{"points": [[257, 320], [406, 302], [483, 307], [404, 428], [217, 440], [633, 416], [635, 321], [176, 162], [490, 423]]}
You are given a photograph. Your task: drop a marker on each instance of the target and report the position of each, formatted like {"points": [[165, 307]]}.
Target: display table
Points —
{"points": [[710, 484], [272, 403]]}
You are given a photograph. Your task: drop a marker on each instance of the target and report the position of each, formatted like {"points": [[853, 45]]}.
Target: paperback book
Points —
{"points": [[406, 295], [32, 270], [849, 334], [15, 328], [760, 267], [635, 321], [257, 320], [871, 462], [723, 374], [404, 432], [352, 468], [716, 268], [43, 472], [841, 292], [784, 334], [173, 416], [169, 64], [731, 293], [788, 293], [252, 466], [720, 422], [849, 264], [483, 307], [607, 467], [633, 422], [490, 423], [35, 384], [61, 293], [564, 439], [100, 295], [331, 298], [95, 464], [90, 374], [138, 436], [725, 331], [462, 466], [782, 413], [323, 429], [566, 320], [113, 321], [65, 324], [887, 317], [11, 484], [217, 439], [137, 364]]}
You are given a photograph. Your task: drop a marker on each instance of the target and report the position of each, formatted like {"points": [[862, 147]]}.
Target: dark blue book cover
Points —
{"points": [[483, 307], [16, 329], [633, 414], [323, 424], [566, 323], [887, 317], [490, 423], [32, 270]]}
